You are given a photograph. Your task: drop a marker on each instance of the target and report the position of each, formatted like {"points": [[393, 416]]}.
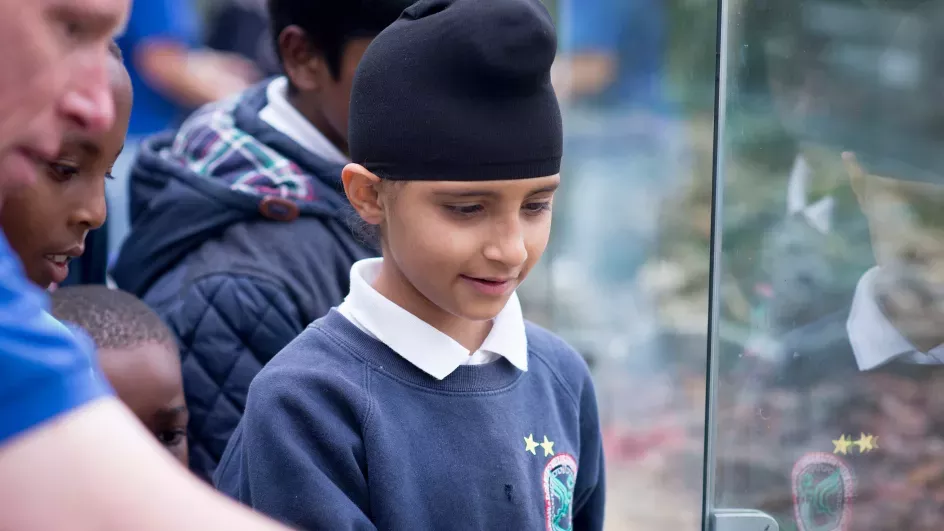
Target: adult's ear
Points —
{"points": [[363, 191]]}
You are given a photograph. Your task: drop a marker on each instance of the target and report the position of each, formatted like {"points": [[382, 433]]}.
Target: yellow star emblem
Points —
{"points": [[841, 445], [548, 447], [866, 443], [530, 445]]}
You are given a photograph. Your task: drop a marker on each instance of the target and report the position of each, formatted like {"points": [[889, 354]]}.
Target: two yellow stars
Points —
{"points": [[866, 444], [530, 445]]}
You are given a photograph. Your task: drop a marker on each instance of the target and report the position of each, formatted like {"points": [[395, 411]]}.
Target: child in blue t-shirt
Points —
{"points": [[425, 401]]}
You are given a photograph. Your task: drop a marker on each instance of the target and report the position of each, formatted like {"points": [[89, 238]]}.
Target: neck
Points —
{"points": [[312, 112], [392, 284], [921, 327]]}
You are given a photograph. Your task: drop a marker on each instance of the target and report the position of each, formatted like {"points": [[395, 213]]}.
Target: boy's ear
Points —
{"points": [[362, 190], [303, 67], [857, 175]]}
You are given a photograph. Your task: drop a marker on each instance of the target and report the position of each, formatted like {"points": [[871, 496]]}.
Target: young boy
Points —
{"points": [[47, 222], [138, 355], [426, 401], [240, 235]]}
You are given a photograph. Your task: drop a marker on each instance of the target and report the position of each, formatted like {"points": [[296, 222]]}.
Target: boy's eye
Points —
{"points": [[464, 210], [62, 172], [109, 176], [537, 207], [171, 437]]}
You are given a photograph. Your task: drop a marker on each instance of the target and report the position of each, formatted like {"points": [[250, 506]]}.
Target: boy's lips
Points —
{"points": [[492, 286], [59, 263]]}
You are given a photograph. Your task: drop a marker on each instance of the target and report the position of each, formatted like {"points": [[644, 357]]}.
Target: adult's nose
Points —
{"points": [[88, 103]]}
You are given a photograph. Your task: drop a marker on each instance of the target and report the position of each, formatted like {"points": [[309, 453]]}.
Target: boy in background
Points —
{"points": [[241, 234], [51, 223], [137, 353]]}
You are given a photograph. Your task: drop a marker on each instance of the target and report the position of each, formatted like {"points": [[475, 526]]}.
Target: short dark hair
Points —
{"points": [[114, 319], [331, 24]]}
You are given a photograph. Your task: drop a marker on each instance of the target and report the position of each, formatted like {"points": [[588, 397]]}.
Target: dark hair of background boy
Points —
{"points": [[113, 318], [330, 25]]}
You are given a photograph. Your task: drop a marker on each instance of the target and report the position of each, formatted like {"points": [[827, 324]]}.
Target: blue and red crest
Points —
{"points": [[559, 478]]}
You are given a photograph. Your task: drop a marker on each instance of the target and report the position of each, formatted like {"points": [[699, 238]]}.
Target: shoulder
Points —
{"points": [[301, 257], [236, 293], [549, 352], [45, 370], [309, 247], [313, 360]]}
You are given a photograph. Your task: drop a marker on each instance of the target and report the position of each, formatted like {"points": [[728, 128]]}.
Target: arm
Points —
{"points": [[72, 458], [97, 469], [192, 78], [587, 64], [161, 34], [228, 326], [299, 456], [590, 491]]}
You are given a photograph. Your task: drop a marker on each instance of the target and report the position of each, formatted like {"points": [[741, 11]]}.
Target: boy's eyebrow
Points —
{"points": [[491, 193], [545, 189]]}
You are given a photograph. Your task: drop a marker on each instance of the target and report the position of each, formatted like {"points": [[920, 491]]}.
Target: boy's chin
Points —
{"points": [[481, 310]]}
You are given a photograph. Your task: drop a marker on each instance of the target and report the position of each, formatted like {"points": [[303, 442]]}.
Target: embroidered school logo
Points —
{"points": [[559, 478], [823, 490]]}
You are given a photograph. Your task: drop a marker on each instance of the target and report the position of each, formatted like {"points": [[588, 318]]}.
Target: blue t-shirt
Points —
{"points": [[633, 31], [157, 20], [45, 369]]}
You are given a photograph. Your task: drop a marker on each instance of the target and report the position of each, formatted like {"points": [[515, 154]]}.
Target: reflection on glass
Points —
{"points": [[625, 278], [830, 339]]}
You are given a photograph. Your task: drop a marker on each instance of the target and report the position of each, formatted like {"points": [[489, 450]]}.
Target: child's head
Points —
{"points": [[138, 355], [46, 223], [883, 133], [456, 138], [319, 44]]}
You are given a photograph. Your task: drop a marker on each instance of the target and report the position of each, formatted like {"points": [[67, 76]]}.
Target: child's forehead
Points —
{"points": [[153, 359], [487, 188]]}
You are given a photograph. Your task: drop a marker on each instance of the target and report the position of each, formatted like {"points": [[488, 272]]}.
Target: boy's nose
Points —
{"points": [[91, 211], [508, 246]]}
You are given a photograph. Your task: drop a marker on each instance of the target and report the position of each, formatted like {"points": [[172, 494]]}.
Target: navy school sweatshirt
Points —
{"points": [[341, 433]]}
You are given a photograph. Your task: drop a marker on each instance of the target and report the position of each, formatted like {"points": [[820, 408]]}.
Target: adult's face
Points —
{"points": [[53, 77]]}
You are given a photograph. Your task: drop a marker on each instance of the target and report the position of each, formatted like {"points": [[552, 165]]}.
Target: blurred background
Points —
{"points": [[626, 278]]}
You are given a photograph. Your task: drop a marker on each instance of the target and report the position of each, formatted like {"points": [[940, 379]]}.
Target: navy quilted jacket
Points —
{"points": [[235, 273]]}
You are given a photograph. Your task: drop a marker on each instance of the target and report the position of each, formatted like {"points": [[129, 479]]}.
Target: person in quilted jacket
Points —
{"points": [[240, 230]]}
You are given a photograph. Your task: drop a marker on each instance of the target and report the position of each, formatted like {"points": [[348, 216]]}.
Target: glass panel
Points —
{"points": [[625, 279], [828, 344]]}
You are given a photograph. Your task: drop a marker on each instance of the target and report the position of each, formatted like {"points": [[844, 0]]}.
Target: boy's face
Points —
{"points": [[337, 92], [46, 222], [906, 223], [325, 99], [148, 380], [463, 247]]}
